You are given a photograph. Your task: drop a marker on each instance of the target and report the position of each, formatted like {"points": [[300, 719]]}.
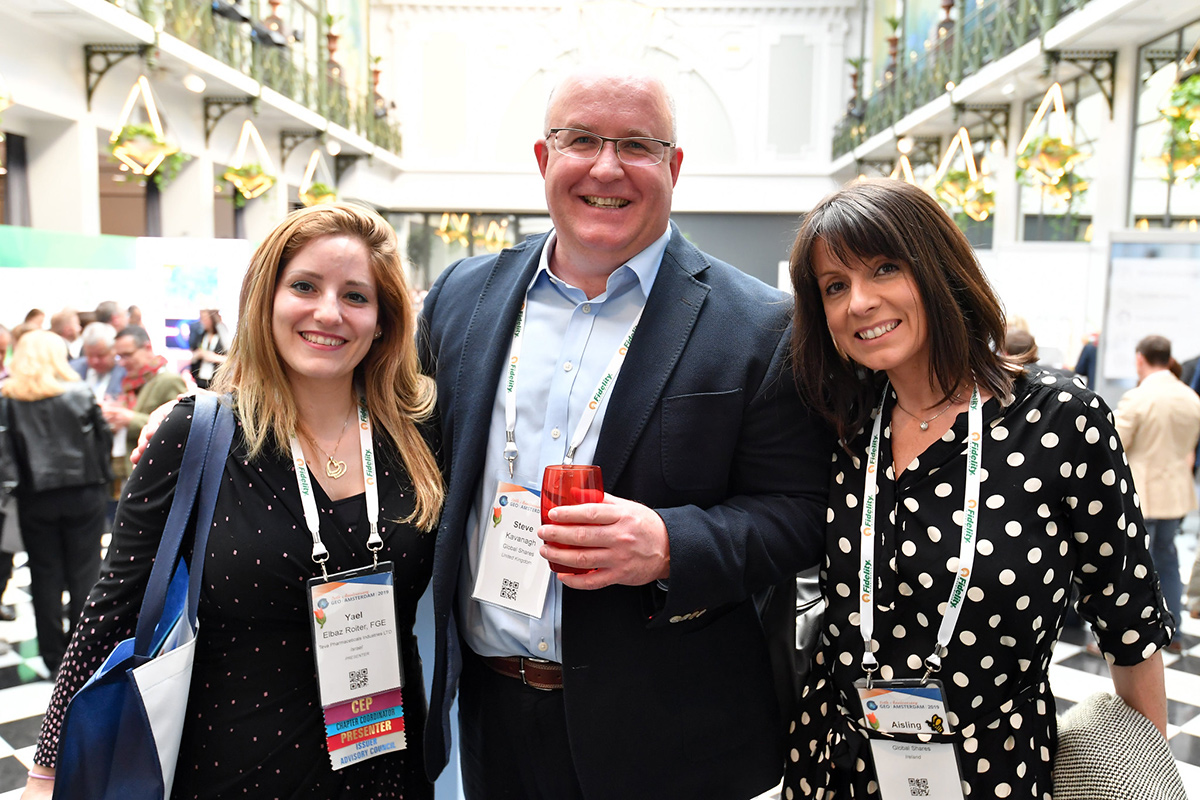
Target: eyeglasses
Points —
{"points": [[634, 151]]}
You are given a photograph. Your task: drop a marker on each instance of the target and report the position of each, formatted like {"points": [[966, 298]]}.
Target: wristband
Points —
{"points": [[41, 777]]}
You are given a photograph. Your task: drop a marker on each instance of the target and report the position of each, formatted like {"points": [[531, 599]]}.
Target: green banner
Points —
{"points": [[32, 248]]}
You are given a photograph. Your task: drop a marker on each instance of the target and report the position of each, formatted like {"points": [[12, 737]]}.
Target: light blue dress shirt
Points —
{"points": [[567, 345]]}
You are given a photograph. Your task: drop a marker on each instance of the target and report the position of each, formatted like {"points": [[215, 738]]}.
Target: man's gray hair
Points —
{"points": [[98, 333]]}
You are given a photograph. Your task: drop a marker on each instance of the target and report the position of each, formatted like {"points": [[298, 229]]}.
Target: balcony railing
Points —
{"points": [[296, 71], [986, 31]]}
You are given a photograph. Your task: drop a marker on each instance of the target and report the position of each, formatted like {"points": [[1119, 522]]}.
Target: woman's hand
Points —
{"points": [[156, 418]]}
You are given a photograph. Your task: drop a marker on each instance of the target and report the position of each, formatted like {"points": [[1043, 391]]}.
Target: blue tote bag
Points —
{"points": [[121, 732]]}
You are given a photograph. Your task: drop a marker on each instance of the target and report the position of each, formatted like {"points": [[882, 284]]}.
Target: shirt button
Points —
{"points": [[543, 647], [554, 434], [587, 308], [567, 367]]}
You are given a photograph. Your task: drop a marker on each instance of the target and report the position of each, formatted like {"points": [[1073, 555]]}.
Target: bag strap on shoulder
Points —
{"points": [[203, 457]]}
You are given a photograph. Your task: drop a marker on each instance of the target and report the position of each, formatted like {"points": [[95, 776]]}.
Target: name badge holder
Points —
{"points": [[356, 638], [920, 766], [512, 573]]}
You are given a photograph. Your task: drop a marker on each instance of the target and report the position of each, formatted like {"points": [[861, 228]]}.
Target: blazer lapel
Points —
{"points": [[485, 349], [671, 313]]}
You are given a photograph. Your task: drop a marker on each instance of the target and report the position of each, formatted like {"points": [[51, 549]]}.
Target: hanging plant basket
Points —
{"points": [[317, 194], [140, 148], [1046, 160], [249, 180], [1183, 106]]}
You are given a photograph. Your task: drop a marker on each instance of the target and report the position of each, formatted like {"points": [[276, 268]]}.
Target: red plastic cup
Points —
{"points": [[570, 485]]}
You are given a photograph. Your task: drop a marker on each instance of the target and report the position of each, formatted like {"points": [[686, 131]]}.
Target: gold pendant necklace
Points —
{"points": [[333, 467]]}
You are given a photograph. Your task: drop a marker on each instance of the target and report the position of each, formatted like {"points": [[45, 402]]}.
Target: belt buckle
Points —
{"points": [[521, 668]]}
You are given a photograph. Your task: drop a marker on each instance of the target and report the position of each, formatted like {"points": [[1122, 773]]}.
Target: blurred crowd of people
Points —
{"points": [[76, 388]]}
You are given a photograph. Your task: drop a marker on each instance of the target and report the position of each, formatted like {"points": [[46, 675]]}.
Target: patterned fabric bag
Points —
{"points": [[1108, 751]]}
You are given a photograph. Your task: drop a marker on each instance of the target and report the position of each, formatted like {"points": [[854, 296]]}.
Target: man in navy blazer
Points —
{"points": [[647, 676]]}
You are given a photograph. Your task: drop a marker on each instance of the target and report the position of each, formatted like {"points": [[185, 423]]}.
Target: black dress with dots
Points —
{"points": [[255, 726], [1058, 507]]}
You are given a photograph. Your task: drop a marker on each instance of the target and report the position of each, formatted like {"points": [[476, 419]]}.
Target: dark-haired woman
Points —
{"points": [[967, 497], [331, 467]]}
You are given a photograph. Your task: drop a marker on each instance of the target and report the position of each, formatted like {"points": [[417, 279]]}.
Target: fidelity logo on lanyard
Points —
{"points": [[352, 616], [966, 553]]}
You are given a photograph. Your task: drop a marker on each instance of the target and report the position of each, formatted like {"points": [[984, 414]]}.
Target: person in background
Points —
{"points": [[66, 324], [146, 386], [60, 446], [35, 318], [99, 369], [894, 344], [5, 343], [134, 315], [1085, 365], [1020, 346], [1159, 424], [97, 365], [8, 612], [108, 311], [322, 373], [208, 342], [647, 676]]}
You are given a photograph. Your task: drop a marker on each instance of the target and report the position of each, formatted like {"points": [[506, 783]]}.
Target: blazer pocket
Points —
{"points": [[700, 433]]}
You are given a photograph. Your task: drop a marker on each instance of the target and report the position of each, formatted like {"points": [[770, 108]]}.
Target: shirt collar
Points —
{"points": [[644, 265]]}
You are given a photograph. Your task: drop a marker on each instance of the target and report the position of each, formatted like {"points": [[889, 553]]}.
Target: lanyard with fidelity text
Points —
{"points": [[312, 518], [966, 553], [589, 413]]}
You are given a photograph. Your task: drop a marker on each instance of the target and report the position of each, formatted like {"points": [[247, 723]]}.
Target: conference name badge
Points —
{"points": [[924, 765], [512, 573], [356, 644]]}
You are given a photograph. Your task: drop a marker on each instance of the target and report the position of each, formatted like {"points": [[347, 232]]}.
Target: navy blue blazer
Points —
{"points": [[667, 693], [115, 377]]}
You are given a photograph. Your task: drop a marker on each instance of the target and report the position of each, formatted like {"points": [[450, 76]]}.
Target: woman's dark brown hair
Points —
{"points": [[891, 218]]}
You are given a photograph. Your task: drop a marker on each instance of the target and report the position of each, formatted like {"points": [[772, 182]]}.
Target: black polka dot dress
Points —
{"points": [[255, 726], [1058, 508]]}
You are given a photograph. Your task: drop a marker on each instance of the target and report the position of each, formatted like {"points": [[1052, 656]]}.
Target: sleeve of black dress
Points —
{"points": [[110, 614], [1119, 591]]}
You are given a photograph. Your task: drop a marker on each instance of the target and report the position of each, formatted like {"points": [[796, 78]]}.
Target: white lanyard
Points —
{"points": [[966, 552], [312, 518], [589, 413]]}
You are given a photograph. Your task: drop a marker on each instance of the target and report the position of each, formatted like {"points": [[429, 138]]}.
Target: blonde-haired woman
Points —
{"points": [[323, 373], [59, 445]]}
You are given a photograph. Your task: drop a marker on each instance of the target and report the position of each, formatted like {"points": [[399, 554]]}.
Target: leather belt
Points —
{"points": [[536, 673]]}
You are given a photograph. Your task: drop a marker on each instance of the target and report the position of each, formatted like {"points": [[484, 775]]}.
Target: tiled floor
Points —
{"points": [[25, 691]]}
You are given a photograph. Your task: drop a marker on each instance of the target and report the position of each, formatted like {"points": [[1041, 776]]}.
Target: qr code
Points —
{"points": [[508, 591], [918, 787], [358, 679]]}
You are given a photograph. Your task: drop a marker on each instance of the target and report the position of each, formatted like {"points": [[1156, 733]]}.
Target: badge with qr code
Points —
{"points": [[910, 768], [355, 637], [511, 571]]}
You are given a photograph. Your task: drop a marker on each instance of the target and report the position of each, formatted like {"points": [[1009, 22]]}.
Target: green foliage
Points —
{"points": [[320, 189], [857, 63], [893, 23], [331, 20], [1045, 151]]}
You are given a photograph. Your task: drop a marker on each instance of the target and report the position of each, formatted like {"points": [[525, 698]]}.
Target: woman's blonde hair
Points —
{"points": [[39, 367], [398, 395]]}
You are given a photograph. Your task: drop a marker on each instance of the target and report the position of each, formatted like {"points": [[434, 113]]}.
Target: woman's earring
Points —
{"points": [[378, 334]]}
